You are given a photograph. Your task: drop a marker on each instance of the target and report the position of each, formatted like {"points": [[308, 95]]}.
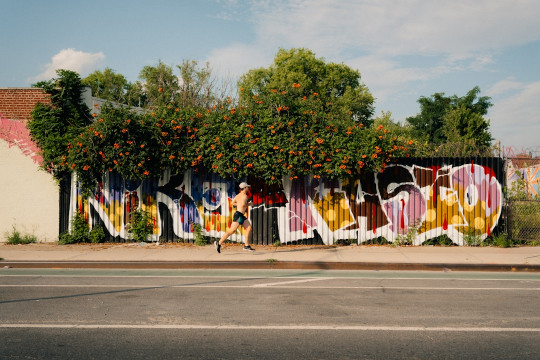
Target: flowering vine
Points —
{"points": [[287, 135]]}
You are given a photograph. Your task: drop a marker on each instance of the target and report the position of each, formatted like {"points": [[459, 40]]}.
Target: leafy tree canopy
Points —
{"points": [[107, 85], [458, 117], [338, 87], [52, 126], [159, 85], [299, 117]]}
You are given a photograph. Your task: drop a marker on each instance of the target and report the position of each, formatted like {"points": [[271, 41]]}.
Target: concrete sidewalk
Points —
{"points": [[143, 255]]}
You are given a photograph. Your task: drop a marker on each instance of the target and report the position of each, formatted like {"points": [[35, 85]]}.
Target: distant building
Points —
{"points": [[29, 196], [527, 168]]}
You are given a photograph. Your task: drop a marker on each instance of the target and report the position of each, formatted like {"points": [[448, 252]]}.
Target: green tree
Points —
{"points": [[462, 123], [196, 86], [107, 85], [160, 84], [402, 131], [337, 86], [53, 126], [272, 134], [481, 106], [136, 95], [429, 125], [286, 133], [120, 140]]}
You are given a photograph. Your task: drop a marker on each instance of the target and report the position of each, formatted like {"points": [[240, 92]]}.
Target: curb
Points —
{"points": [[287, 265]]}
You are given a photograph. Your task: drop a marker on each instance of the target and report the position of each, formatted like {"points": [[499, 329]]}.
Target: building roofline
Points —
{"points": [[20, 88]]}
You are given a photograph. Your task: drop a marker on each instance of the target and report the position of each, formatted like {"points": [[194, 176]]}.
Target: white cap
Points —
{"points": [[243, 185]]}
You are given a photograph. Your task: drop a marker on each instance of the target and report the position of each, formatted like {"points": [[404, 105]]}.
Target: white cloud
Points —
{"points": [[70, 59], [235, 60], [377, 36], [387, 78], [398, 27], [377, 73], [515, 120], [403, 47], [505, 86]]}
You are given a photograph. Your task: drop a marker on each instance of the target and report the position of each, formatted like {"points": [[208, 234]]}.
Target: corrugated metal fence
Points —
{"points": [[415, 199]]}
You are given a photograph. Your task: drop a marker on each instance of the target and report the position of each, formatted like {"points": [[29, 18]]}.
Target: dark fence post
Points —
{"points": [[64, 196]]}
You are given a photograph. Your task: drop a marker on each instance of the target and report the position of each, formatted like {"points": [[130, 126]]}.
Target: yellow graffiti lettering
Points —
{"points": [[479, 223], [431, 215], [330, 215]]}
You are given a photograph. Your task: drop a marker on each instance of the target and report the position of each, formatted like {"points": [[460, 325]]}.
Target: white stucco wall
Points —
{"points": [[28, 196]]}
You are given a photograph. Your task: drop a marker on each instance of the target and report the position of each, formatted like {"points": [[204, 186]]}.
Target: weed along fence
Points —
{"points": [[413, 201]]}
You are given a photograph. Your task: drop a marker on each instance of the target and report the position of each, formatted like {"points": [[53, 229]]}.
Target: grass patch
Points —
{"points": [[200, 239], [16, 238], [498, 240], [81, 233]]}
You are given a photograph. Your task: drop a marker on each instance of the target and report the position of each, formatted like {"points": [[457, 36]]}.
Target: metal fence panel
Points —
{"points": [[414, 199]]}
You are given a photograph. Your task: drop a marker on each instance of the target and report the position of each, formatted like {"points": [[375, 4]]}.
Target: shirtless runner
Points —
{"points": [[241, 201]]}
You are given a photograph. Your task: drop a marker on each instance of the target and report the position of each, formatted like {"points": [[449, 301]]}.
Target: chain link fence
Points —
{"points": [[524, 221], [523, 211]]}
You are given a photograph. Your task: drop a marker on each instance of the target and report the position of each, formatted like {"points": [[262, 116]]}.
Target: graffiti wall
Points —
{"points": [[524, 173], [15, 133], [419, 199]]}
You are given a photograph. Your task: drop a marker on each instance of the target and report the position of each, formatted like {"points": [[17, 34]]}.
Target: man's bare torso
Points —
{"points": [[241, 201]]}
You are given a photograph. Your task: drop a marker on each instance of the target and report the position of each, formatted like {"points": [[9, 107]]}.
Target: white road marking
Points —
{"points": [[282, 285], [271, 327], [334, 276]]}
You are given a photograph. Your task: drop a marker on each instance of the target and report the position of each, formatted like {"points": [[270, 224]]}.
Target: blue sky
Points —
{"points": [[403, 49]]}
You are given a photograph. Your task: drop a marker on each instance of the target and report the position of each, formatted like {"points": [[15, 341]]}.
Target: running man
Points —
{"points": [[241, 201]]}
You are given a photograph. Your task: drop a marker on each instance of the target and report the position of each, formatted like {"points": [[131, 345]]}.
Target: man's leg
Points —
{"points": [[228, 233], [249, 228]]}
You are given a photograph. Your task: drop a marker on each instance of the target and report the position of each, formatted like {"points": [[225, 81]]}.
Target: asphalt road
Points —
{"points": [[239, 314]]}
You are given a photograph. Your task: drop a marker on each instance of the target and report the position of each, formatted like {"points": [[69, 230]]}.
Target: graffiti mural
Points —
{"points": [[424, 198], [15, 133], [526, 171]]}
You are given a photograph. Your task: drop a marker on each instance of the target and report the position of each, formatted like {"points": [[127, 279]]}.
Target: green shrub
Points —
{"points": [[442, 240], [15, 237], [141, 225], [343, 242], [377, 241], [200, 239], [501, 240], [96, 235], [81, 233], [472, 239], [409, 237]]}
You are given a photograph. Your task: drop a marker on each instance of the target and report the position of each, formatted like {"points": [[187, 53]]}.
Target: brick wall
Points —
{"points": [[18, 103]]}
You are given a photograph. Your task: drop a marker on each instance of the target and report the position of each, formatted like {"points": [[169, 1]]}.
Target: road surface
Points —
{"points": [[233, 314]]}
